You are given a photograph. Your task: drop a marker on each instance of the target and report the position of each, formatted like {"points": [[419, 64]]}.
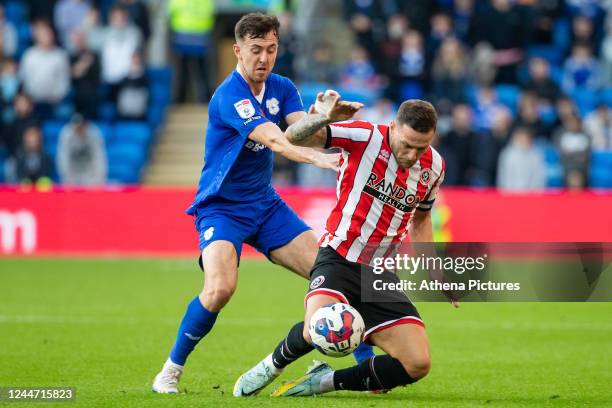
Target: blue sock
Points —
{"points": [[363, 352], [196, 323]]}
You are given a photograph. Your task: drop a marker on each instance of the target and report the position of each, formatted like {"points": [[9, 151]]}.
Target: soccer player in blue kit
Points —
{"points": [[235, 202]]}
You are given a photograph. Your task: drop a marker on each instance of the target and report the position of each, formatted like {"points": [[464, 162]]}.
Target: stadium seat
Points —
{"points": [[411, 90], [550, 53], [562, 34], [133, 132], [605, 96], [602, 158], [600, 178], [16, 11], [106, 130], [107, 111], [155, 116], [51, 149], [508, 95], [51, 131], [586, 100], [122, 173], [554, 169], [161, 75], [126, 153], [159, 93], [24, 35]]}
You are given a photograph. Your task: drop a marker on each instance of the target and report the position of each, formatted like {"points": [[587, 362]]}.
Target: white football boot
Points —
{"points": [[254, 380], [166, 382]]}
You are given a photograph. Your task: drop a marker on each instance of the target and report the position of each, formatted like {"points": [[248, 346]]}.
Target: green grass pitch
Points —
{"points": [[106, 326]]}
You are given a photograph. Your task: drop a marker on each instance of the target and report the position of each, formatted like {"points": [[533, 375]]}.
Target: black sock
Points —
{"points": [[291, 348], [376, 373]]}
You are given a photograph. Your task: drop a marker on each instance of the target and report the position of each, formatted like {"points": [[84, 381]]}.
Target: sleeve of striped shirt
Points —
{"points": [[430, 198], [348, 135]]}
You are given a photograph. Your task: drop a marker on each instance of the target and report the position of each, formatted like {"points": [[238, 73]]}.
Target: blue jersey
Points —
{"points": [[235, 167]]}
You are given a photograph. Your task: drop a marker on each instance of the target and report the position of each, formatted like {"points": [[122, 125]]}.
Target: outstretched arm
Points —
{"points": [[310, 131], [270, 135]]}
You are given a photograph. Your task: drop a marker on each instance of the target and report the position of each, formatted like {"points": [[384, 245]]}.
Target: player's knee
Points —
{"points": [[217, 296], [417, 366], [306, 334]]}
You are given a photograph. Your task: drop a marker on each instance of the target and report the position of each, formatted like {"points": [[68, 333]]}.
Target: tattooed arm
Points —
{"points": [[310, 130]]}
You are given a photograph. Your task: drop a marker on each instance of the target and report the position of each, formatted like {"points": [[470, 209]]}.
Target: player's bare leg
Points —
{"points": [[299, 254], [407, 361], [295, 345], [220, 262]]}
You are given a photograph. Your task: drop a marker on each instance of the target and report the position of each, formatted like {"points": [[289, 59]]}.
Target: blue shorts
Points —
{"points": [[265, 225]]}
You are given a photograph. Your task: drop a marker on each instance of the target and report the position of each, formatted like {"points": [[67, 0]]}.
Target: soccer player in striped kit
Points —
{"points": [[388, 180]]}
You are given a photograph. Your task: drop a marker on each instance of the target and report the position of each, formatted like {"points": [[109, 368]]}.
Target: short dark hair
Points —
{"points": [[419, 115], [256, 25]]}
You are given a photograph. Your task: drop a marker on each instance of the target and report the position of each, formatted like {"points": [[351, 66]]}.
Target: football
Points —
{"points": [[336, 329]]}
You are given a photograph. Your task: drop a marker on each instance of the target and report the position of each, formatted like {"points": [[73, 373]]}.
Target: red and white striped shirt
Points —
{"points": [[375, 196]]}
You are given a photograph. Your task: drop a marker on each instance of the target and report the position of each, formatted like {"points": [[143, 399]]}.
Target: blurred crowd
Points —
{"points": [[523, 87], [72, 62]]}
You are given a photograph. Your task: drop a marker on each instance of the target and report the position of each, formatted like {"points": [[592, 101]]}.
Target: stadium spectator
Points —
{"points": [[22, 118], [139, 15], [133, 92], [9, 85], [94, 30], [481, 67], [122, 39], [528, 117], [191, 23], [323, 69], [449, 72], [598, 125], [408, 69], [81, 157], [288, 46], [581, 70], [463, 141], [68, 16], [8, 36], [391, 47], [41, 9], [441, 29], [505, 27], [85, 70], [486, 108], [491, 145], [521, 165], [574, 146], [606, 55], [31, 163], [540, 82], [364, 18], [583, 32], [463, 11], [359, 74], [45, 70], [545, 13]]}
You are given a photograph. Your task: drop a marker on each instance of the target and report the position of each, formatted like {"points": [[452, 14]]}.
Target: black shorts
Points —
{"points": [[334, 276]]}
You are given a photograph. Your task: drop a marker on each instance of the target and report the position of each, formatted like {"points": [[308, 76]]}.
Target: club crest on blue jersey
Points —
{"points": [[245, 108], [272, 106]]}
